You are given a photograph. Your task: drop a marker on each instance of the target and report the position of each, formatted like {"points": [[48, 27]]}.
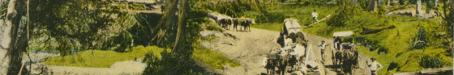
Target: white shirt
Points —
{"points": [[314, 14], [322, 46], [374, 66]]}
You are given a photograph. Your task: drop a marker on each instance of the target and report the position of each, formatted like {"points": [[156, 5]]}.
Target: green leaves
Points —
{"points": [[430, 62], [3, 7], [91, 23]]}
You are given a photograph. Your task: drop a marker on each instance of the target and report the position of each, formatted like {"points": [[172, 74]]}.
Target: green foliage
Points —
{"points": [[420, 39], [430, 62], [3, 8], [80, 25], [171, 64], [397, 41], [180, 60], [430, 4], [402, 2], [102, 58], [344, 14], [238, 8]]}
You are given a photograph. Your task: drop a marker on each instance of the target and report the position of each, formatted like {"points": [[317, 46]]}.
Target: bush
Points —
{"points": [[420, 40], [393, 65], [3, 7], [430, 62]]}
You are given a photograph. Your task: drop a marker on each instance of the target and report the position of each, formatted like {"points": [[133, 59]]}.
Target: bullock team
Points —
{"points": [[292, 53], [284, 60], [228, 22], [345, 55]]}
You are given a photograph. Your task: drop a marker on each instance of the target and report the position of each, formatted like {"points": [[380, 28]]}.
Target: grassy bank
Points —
{"points": [[274, 18], [213, 59], [396, 54], [103, 58]]}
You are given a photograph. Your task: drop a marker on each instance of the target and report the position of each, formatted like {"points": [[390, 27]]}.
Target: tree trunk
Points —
{"points": [[436, 4], [372, 5], [452, 24], [451, 21], [14, 40], [418, 7], [389, 2]]}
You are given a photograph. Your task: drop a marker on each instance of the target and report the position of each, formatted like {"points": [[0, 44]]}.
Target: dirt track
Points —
{"points": [[251, 48], [119, 68], [248, 48]]}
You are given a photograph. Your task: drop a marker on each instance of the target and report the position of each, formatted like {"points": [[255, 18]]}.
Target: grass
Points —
{"points": [[103, 58], [274, 19], [213, 59], [397, 41]]}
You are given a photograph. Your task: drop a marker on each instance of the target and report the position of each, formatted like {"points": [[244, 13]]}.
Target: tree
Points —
{"points": [[83, 24], [344, 15], [14, 38], [448, 16], [451, 22], [418, 8], [402, 2]]}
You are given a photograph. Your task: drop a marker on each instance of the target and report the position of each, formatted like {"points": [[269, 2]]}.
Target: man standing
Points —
{"points": [[322, 50], [337, 43], [314, 16], [374, 66]]}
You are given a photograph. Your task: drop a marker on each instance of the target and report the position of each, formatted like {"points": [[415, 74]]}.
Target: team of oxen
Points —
{"points": [[295, 55], [345, 54], [293, 52], [228, 22]]}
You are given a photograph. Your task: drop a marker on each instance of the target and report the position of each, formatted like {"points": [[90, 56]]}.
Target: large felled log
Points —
{"points": [[376, 30]]}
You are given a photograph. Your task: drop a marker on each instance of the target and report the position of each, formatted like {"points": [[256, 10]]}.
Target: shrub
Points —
{"points": [[420, 40], [430, 62], [393, 65]]}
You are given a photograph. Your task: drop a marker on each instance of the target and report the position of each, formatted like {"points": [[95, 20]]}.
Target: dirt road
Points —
{"points": [[118, 68], [251, 48]]}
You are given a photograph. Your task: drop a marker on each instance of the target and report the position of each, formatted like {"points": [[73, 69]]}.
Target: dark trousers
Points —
{"points": [[373, 72]]}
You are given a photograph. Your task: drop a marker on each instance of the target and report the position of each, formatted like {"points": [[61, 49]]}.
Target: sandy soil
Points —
{"points": [[251, 48]]}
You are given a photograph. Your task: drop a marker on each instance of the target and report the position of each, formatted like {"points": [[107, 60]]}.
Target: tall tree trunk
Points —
{"points": [[14, 40], [388, 3], [372, 5], [436, 4], [183, 8], [418, 7], [452, 24]]}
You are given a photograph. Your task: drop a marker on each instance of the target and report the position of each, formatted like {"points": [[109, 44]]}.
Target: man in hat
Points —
{"points": [[322, 50], [314, 16], [374, 66]]}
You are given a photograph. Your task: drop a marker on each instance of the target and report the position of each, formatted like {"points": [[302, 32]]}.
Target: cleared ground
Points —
{"points": [[251, 48]]}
